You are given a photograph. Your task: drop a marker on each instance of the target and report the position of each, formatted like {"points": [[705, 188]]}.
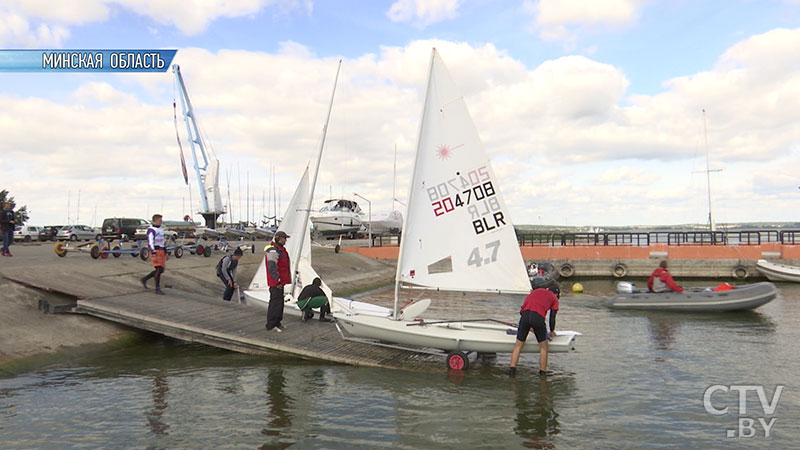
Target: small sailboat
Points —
{"points": [[457, 236], [296, 224]]}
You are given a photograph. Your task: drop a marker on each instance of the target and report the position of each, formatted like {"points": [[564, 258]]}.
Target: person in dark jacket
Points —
{"points": [[661, 280], [532, 314], [312, 296], [278, 275], [226, 271], [7, 224]]}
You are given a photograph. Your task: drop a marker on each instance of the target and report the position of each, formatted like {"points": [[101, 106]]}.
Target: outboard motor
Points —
{"points": [[625, 287]]}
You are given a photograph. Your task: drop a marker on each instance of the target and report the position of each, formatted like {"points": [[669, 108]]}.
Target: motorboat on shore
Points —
{"points": [[693, 299], [778, 272], [542, 274], [338, 217], [385, 223]]}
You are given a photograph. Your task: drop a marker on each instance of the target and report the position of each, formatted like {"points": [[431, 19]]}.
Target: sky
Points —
{"points": [[591, 112]]}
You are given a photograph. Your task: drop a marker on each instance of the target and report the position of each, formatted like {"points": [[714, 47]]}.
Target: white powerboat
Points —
{"points": [[385, 223], [338, 217], [778, 272], [457, 236]]}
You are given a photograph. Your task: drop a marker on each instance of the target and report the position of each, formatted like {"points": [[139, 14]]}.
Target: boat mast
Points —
{"points": [[394, 176], [307, 211], [712, 226], [410, 199]]}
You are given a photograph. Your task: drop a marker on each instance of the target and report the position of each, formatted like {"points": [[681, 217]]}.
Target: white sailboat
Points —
{"points": [[457, 236], [296, 224]]}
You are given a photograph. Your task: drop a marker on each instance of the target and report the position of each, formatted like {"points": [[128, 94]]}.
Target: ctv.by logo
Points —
{"points": [[747, 426]]}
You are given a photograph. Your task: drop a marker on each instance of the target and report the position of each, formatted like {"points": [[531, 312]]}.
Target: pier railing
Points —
{"points": [[645, 239]]}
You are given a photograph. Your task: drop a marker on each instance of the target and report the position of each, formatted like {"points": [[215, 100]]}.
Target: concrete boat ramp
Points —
{"points": [[207, 320]]}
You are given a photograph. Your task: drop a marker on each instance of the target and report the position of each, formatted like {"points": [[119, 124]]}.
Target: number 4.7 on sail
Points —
{"points": [[475, 258]]}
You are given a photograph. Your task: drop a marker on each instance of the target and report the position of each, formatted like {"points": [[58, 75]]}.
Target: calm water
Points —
{"points": [[636, 379]]}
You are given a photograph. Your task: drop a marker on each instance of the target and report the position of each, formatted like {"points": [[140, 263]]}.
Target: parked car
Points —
{"points": [[49, 233], [141, 232], [122, 228], [77, 233], [26, 233]]}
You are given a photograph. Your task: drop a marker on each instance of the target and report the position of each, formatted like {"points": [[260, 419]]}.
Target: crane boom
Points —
{"points": [[208, 171]]}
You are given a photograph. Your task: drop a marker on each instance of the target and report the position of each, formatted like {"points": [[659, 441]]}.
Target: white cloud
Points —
{"points": [[423, 12], [17, 31], [627, 175], [44, 23], [565, 136], [563, 20]]}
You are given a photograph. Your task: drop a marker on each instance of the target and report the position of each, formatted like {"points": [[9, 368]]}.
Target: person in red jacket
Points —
{"points": [[661, 281], [532, 314], [279, 274]]}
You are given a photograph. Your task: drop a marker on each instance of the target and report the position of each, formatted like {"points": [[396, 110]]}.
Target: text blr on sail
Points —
{"points": [[473, 191]]}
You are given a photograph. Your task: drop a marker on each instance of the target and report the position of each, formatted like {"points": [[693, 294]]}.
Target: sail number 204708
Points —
{"points": [[476, 192]]}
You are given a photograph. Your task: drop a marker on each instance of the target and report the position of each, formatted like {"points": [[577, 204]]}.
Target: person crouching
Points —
{"points": [[226, 271], [312, 296]]}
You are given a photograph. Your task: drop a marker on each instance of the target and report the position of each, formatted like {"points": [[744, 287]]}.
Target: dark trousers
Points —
{"points": [[228, 289], [275, 308], [8, 238], [156, 273]]}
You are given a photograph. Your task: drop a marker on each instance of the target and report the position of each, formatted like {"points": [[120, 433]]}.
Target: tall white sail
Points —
{"points": [[458, 233], [296, 223], [298, 246]]}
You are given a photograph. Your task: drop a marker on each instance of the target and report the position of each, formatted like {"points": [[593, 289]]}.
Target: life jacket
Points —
{"points": [[155, 238], [284, 270]]}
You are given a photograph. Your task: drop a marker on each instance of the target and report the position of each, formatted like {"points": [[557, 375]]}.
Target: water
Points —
{"points": [[636, 380]]}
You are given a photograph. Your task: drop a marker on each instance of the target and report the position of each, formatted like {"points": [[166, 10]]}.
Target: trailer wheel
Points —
{"points": [[457, 361], [116, 251], [253, 248], [95, 251], [104, 252], [200, 249], [337, 248], [135, 253], [178, 252], [144, 254], [207, 252], [59, 249]]}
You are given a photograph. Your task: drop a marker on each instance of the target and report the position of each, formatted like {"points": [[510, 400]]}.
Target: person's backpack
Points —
{"points": [[219, 265]]}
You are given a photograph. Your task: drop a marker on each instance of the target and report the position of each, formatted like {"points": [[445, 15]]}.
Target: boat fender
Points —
{"points": [[619, 270], [739, 272], [566, 270]]}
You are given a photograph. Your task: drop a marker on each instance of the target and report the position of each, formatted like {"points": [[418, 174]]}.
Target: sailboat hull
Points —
{"points": [[259, 298], [482, 337]]}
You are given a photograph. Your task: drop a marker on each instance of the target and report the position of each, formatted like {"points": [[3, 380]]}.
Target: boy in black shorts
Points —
{"points": [[532, 313]]}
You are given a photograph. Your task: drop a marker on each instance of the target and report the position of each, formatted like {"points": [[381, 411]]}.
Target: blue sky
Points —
{"points": [[625, 50]]}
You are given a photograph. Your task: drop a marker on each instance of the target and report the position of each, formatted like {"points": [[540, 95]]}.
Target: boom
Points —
{"points": [[207, 171]]}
